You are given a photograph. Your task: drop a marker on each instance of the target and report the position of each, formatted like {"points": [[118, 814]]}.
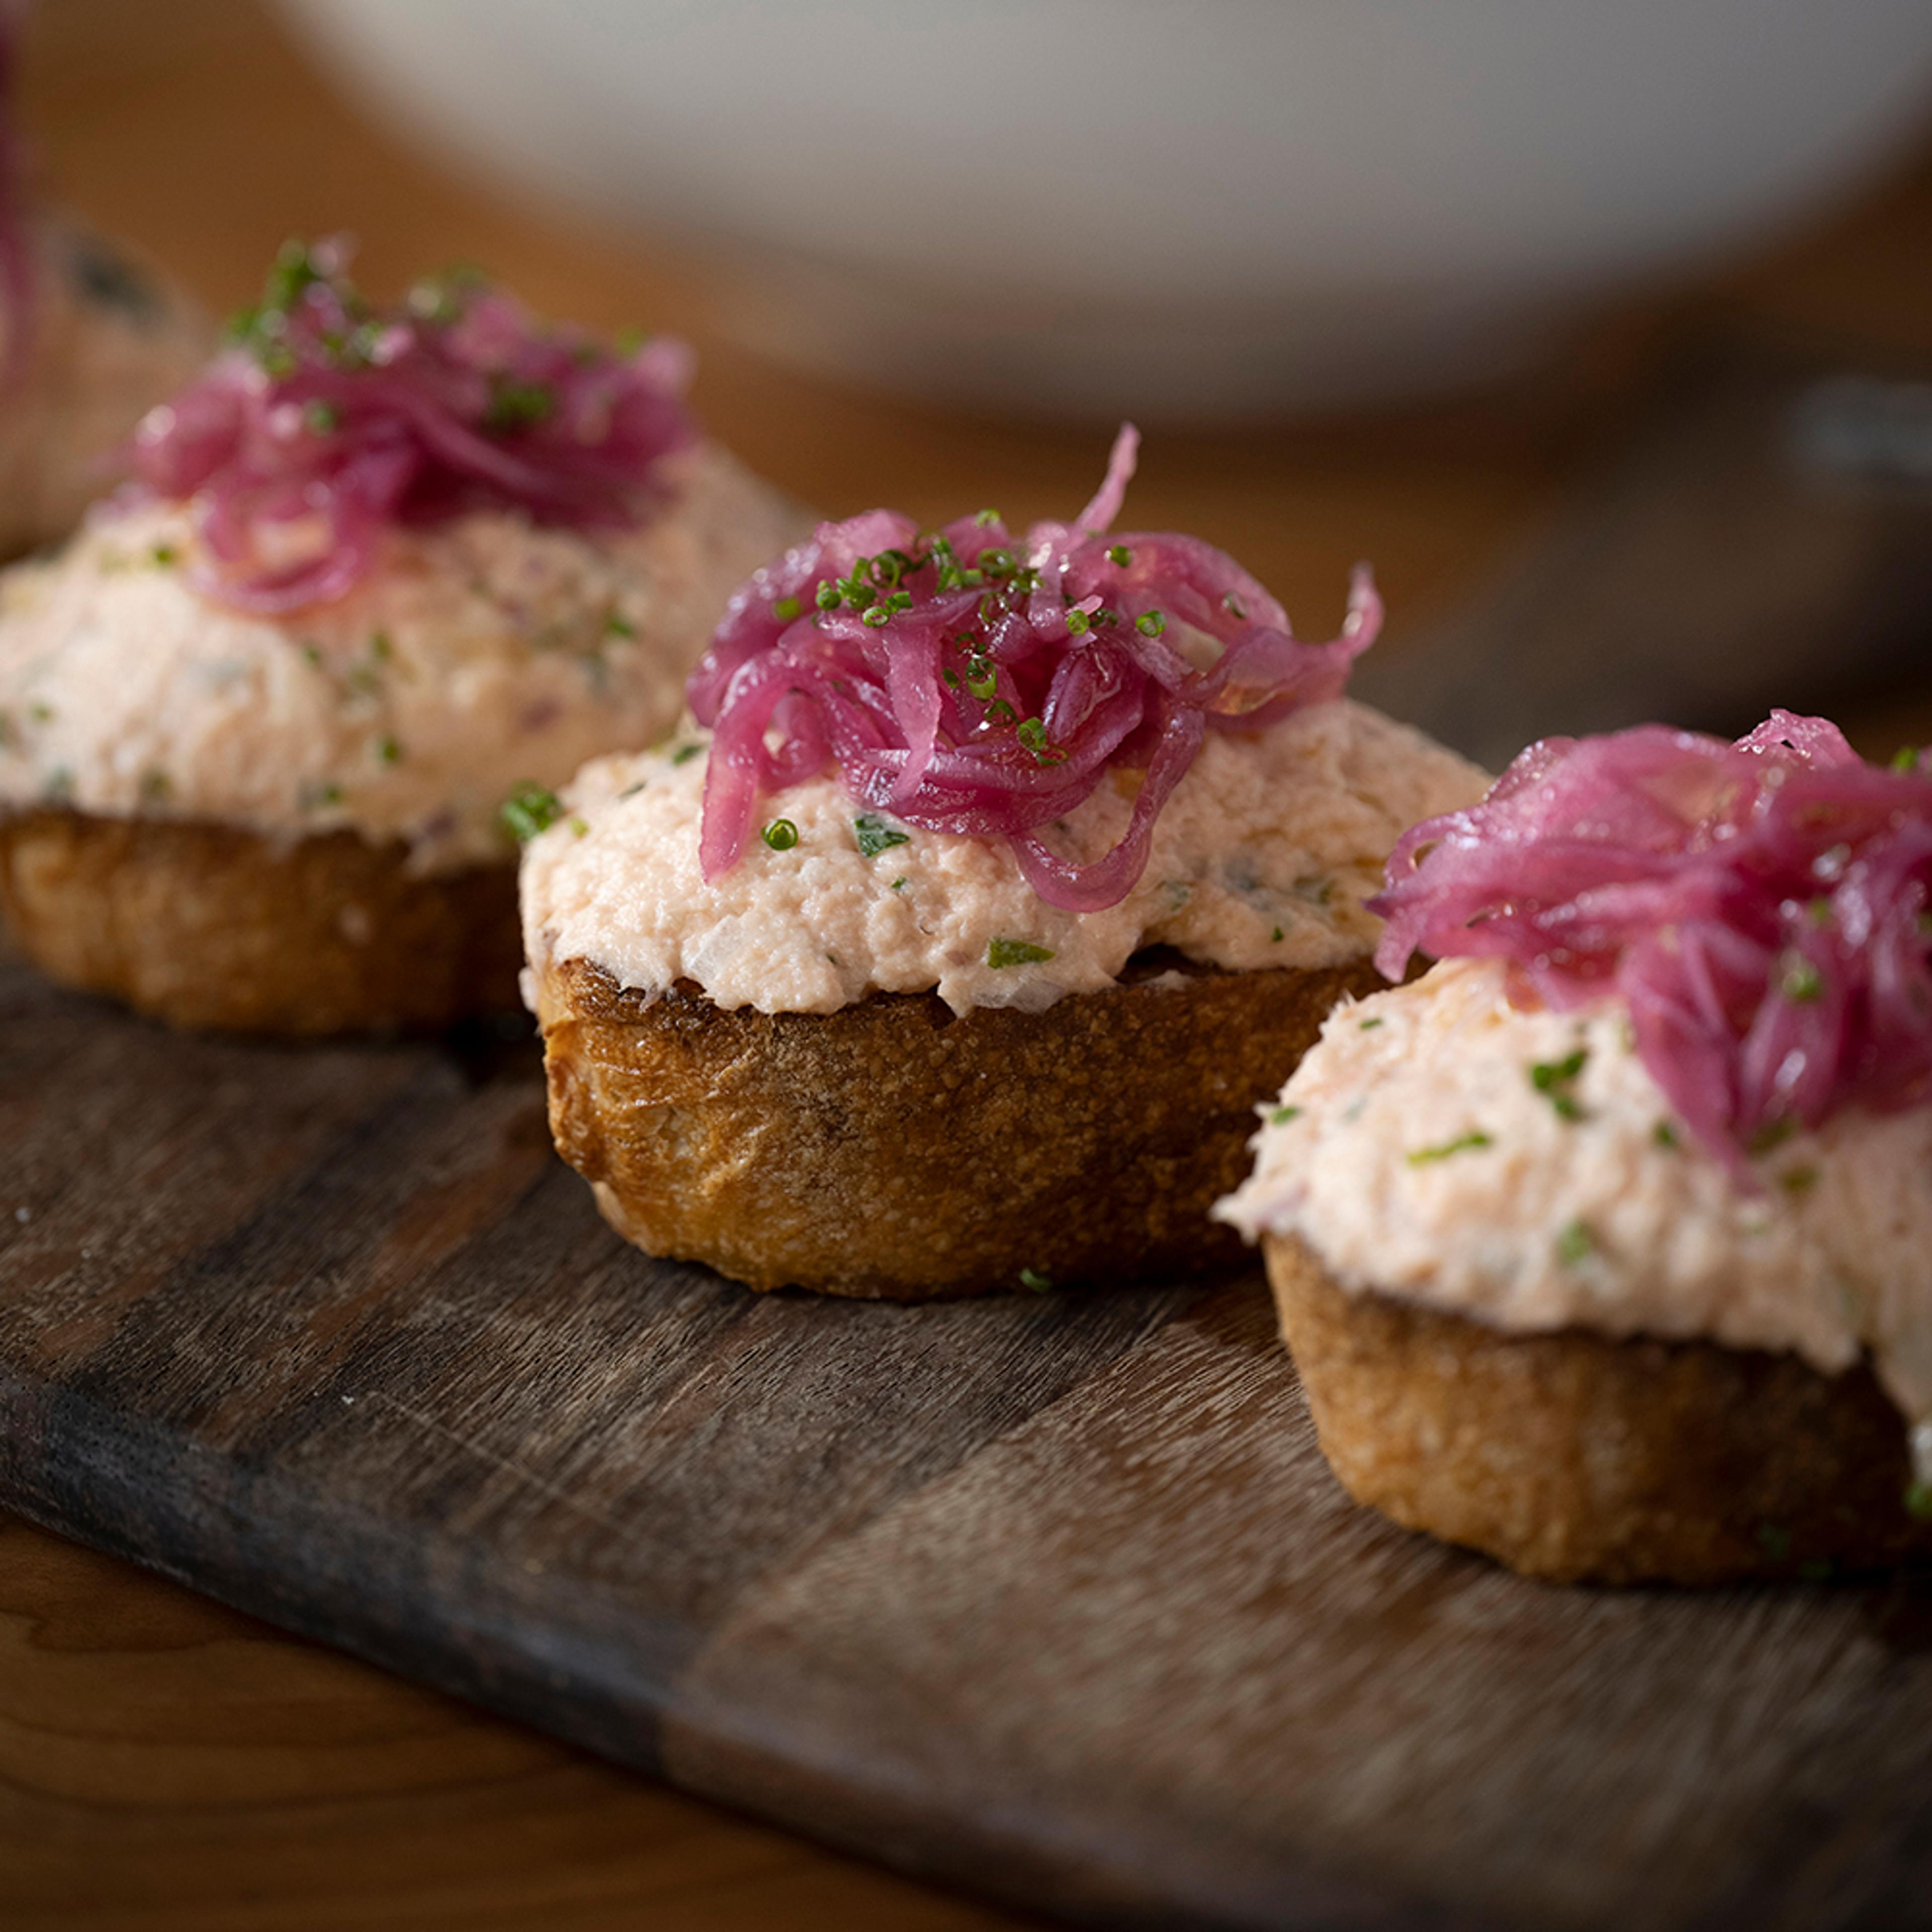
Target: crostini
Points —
{"points": [[993, 877], [1606, 1246], [375, 568]]}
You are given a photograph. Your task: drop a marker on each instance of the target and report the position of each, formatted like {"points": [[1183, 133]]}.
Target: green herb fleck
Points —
{"points": [[827, 597], [1818, 911], [786, 608], [380, 648], [615, 624], [1016, 953], [875, 835], [684, 754], [1665, 1134], [529, 809], [1037, 1279], [1574, 1242], [1275, 936], [1802, 982], [1772, 1134], [1797, 1180], [1555, 1078], [387, 751], [630, 339], [900, 883], [321, 417], [580, 827], [41, 713], [1906, 758], [1463, 1143], [1280, 1117], [155, 786], [313, 652], [986, 519], [1119, 554], [781, 834], [1234, 607], [515, 405], [165, 554], [1151, 623], [1370, 1025]]}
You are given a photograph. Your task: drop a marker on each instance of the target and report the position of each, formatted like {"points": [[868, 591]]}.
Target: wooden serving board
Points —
{"points": [[1051, 1597]]}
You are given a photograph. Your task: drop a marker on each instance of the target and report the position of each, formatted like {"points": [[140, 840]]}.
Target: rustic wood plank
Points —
{"points": [[1051, 1597]]}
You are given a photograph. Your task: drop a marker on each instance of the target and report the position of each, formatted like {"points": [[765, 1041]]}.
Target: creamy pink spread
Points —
{"points": [[1262, 857], [483, 652]]}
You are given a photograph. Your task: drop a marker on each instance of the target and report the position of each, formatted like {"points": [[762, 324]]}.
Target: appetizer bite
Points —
{"points": [[948, 946], [1606, 1246], [376, 568]]}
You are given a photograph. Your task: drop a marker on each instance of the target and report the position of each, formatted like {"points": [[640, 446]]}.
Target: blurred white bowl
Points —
{"points": [[1209, 209]]}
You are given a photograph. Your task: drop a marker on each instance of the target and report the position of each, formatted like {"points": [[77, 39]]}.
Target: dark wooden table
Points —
{"points": [[166, 1763]]}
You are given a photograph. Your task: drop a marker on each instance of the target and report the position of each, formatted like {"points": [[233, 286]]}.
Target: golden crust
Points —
{"points": [[1572, 1456], [892, 1149], [207, 925]]}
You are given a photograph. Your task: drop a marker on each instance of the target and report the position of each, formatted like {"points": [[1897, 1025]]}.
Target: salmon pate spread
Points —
{"points": [[1521, 1167], [477, 653], [1262, 857]]}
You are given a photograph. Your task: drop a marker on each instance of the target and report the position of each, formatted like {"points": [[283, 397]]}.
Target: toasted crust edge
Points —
{"points": [[889, 1150], [1572, 1456], [205, 926]]}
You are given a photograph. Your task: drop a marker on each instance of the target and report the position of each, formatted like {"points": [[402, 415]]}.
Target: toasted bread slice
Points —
{"points": [[891, 1150], [1572, 1456], [209, 925]]}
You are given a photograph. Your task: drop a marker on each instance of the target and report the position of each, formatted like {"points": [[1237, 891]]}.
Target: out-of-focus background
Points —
{"points": [[1602, 329]]}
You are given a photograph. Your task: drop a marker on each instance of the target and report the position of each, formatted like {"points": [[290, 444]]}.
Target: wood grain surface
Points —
{"points": [[170, 1764], [1049, 1596]]}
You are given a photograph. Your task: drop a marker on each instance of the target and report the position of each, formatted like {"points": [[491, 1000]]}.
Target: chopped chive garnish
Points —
{"points": [[165, 553], [781, 834], [1234, 607], [1463, 1143], [380, 647], [1275, 936], [580, 827], [684, 754], [1797, 1180], [1906, 758], [1119, 554], [875, 835], [1554, 1078], [388, 751], [786, 608], [1802, 982], [1665, 1136], [1016, 953], [1037, 1279], [1370, 1025], [529, 809], [321, 417], [1151, 623], [1280, 1117], [1078, 623], [1574, 1243], [617, 625], [986, 519], [827, 597]]}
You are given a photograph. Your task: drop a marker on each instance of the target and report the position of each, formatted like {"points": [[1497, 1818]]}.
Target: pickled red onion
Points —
{"points": [[329, 418], [968, 682], [1765, 908]]}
